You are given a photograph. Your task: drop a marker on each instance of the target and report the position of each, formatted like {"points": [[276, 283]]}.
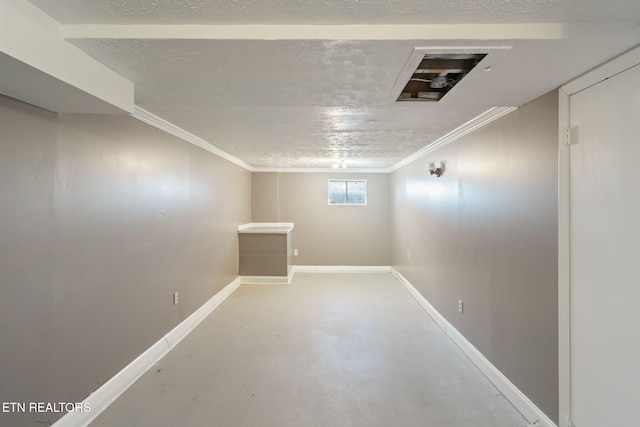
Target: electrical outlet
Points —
{"points": [[295, 252], [460, 307], [175, 298]]}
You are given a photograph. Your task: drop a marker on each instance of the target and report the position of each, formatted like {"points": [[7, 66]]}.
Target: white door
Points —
{"points": [[605, 253]]}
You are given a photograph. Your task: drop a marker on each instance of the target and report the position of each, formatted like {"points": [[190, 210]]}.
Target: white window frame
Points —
{"points": [[347, 195]]}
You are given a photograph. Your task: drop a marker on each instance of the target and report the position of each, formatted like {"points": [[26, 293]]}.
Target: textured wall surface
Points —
{"points": [[103, 218], [486, 233], [323, 234]]}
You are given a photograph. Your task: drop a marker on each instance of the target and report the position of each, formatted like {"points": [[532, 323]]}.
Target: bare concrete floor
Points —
{"points": [[327, 350]]}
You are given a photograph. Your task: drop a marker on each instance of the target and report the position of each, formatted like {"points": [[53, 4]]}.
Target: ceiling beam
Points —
{"points": [[321, 32], [39, 67]]}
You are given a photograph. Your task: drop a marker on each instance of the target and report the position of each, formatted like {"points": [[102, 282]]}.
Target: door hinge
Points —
{"points": [[570, 136]]}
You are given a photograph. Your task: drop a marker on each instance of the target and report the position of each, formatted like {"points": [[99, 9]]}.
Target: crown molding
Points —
{"points": [[470, 126], [617, 65], [160, 123], [323, 170]]}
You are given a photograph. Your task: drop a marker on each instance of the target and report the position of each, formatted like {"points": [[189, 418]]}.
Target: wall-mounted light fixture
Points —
{"points": [[436, 168]]}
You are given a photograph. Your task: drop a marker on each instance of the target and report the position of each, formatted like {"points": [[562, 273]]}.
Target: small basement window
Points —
{"points": [[347, 191]]}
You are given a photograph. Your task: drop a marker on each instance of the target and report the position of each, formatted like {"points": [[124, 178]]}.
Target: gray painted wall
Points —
{"points": [[103, 218], [323, 234], [486, 233], [263, 254]]}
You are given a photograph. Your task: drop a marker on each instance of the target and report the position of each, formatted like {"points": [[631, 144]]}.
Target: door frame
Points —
{"points": [[617, 65]]}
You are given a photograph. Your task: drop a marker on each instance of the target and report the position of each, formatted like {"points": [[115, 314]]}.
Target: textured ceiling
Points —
{"points": [[318, 137], [295, 101], [336, 11]]}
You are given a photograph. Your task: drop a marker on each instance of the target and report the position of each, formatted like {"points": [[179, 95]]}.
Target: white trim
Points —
{"points": [[617, 65], [160, 123], [470, 126], [621, 63], [521, 402], [526, 31], [341, 269], [41, 68], [564, 261], [268, 280], [266, 228], [323, 170], [100, 399]]}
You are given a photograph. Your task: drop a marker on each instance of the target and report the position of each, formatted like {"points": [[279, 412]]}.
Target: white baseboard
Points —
{"points": [[100, 399], [522, 403], [267, 280], [341, 269], [285, 280]]}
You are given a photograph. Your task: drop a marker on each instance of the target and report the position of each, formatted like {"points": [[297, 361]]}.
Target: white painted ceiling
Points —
{"points": [[306, 84], [336, 11]]}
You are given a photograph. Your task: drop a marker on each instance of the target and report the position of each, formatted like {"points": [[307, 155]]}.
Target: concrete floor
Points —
{"points": [[327, 350]]}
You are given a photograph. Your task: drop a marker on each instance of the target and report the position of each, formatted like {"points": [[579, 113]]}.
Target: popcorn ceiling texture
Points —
{"points": [[327, 104], [316, 137], [312, 103], [255, 72], [292, 103], [332, 11]]}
